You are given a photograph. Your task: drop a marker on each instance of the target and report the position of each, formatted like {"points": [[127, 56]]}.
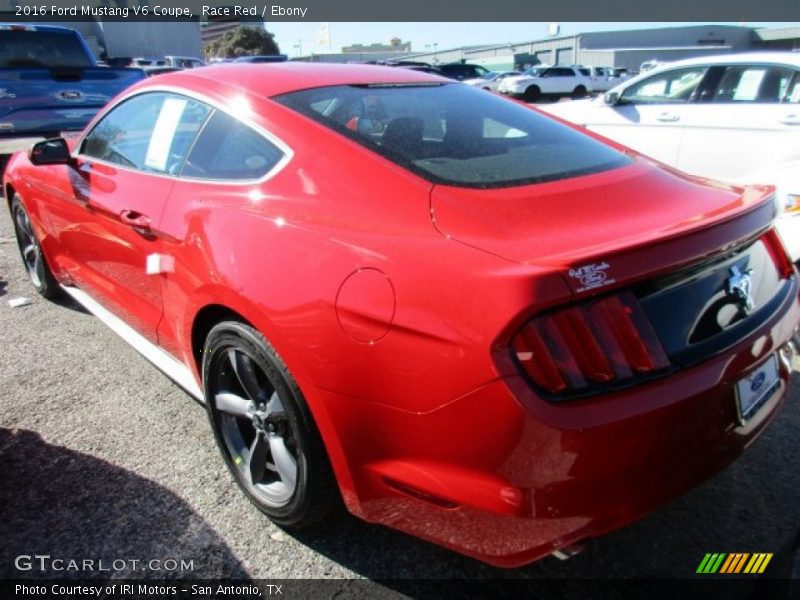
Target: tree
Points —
{"points": [[243, 41]]}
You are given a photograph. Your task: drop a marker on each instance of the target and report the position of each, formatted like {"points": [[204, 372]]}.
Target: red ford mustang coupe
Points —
{"points": [[464, 319]]}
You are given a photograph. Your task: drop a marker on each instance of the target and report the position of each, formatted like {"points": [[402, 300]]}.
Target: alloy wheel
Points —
{"points": [[256, 433], [29, 247]]}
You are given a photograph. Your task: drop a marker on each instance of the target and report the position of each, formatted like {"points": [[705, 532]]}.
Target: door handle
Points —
{"points": [[135, 219], [667, 117], [792, 119]]}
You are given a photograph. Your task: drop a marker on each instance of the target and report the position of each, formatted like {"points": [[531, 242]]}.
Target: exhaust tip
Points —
{"points": [[790, 352], [568, 552]]}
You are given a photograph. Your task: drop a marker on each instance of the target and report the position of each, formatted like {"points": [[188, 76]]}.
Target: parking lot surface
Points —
{"points": [[102, 457]]}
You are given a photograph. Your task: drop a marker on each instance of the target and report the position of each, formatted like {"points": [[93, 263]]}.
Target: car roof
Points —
{"points": [[272, 79], [32, 27], [787, 58]]}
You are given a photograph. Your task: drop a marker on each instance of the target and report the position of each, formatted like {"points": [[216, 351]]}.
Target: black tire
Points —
{"points": [[30, 250], [259, 377], [532, 94], [578, 92]]}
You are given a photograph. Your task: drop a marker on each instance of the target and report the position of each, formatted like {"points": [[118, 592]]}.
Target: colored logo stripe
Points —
{"points": [[735, 562], [710, 563]]}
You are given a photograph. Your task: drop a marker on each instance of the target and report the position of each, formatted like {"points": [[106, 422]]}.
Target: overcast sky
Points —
{"points": [[292, 36]]}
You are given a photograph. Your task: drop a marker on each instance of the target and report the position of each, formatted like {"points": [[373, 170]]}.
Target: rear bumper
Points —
{"points": [[507, 478]]}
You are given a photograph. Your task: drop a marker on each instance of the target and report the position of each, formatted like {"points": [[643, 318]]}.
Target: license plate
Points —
{"points": [[756, 389]]}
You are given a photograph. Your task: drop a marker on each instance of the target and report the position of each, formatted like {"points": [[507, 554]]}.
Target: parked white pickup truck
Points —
{"points": [[539, 82], [605, 78]]}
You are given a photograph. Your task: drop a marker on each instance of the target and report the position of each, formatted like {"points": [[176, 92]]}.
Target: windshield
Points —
{"points": [[534, 71], [41, 49], [456, 134], [490, 75]]}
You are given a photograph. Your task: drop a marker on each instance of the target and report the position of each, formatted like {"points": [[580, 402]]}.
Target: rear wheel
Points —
{"points": [[264, 429], [578, 92], [532, 94], [31, 251]]}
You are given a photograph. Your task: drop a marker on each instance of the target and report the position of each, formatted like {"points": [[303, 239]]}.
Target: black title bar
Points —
{"points": [[33, 11]]}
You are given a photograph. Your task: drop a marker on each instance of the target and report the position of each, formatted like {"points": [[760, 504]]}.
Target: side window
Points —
{"points": [[793, 93], [150, 132], [178, 122], [558, 72], [230, 150], [668, 87], [753, 83], [122, 136]]}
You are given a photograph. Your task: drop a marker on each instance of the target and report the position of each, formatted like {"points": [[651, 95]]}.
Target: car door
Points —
{"points": [[649, 115], [229, 161], [747, 122], [121, 181], [560, 80]]}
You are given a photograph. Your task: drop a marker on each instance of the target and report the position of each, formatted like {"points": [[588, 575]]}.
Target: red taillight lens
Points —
{"points": [[606, 341], [777, 251]]}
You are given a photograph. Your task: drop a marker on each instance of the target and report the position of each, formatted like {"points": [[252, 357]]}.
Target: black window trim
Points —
{"points": [[285, 149]]}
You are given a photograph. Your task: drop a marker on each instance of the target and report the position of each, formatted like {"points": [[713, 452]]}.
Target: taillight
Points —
{"points": [[594, 345], [777, 250]]}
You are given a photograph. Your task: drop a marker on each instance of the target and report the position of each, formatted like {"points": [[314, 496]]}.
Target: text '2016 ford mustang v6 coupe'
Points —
{"points": [[464, 319]]}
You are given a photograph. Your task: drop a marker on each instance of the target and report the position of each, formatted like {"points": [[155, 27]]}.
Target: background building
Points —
{"points": [[131, 38], [151, 39], [785, 38], [394, 45], [628, 49]]}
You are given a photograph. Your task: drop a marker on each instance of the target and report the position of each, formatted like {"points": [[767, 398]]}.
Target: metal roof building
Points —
{"points": [[628, 49]]}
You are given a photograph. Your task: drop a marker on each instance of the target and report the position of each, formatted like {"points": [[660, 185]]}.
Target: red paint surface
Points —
{"points": [[430, 428]]}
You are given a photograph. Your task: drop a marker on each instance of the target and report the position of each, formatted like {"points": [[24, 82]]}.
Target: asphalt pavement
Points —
{"points": [[102, 457]]}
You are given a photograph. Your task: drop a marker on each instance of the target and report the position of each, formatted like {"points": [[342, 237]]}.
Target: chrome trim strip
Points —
{"points": [[288, 153], [168, 364]]}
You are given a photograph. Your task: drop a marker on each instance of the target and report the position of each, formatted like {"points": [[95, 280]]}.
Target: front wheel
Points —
{"points": [[532, 94], [266, 434], [31, 251]]}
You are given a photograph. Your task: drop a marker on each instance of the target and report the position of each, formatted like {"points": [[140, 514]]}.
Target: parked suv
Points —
{"points": [[538, 82]]}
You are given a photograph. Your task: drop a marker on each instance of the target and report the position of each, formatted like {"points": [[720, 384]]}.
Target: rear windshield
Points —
{"points": [[455, 134], [19, 49]]}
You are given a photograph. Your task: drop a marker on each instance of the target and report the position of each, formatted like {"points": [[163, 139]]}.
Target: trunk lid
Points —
{"points": [[608, 229]]}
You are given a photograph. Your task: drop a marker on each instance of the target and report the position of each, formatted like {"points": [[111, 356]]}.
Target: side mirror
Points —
{"points": [[611, 98], [50, 152]]}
